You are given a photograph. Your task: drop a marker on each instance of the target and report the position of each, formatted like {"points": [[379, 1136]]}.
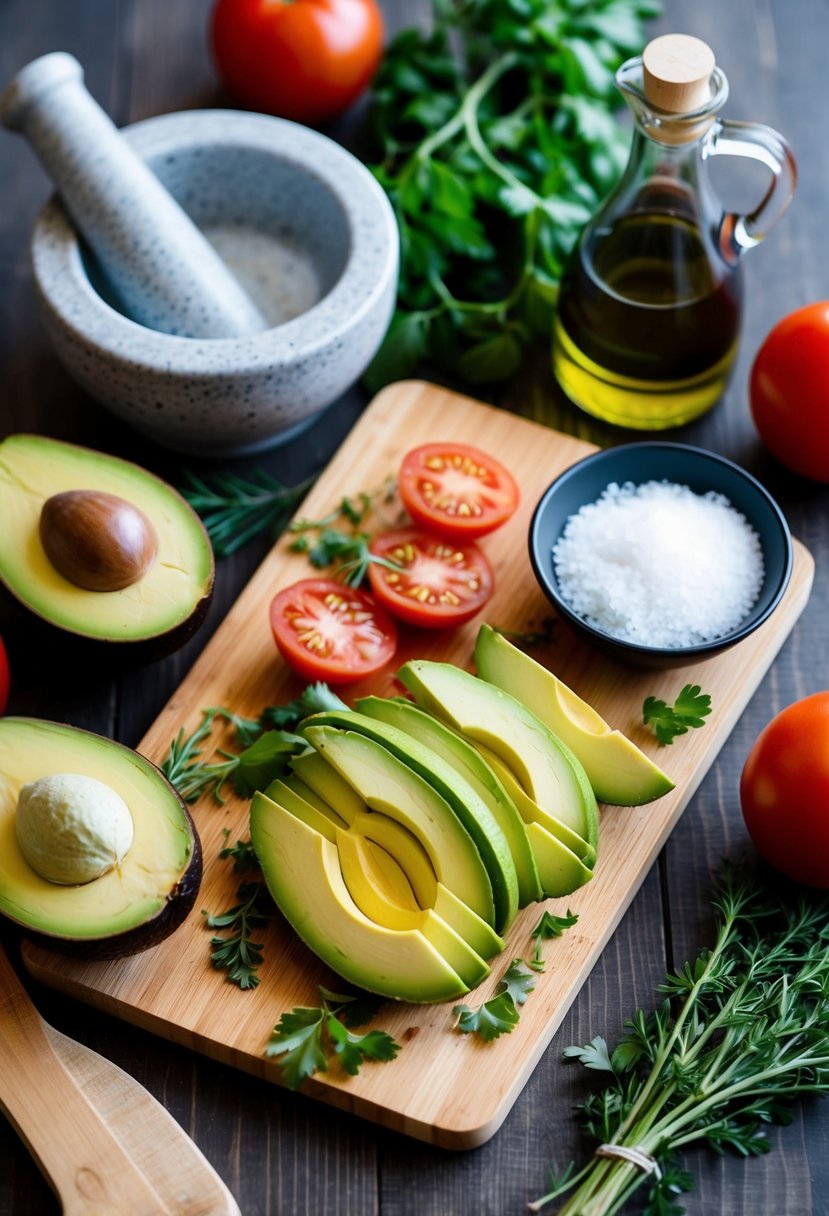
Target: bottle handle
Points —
{"points": [[758, 142]]}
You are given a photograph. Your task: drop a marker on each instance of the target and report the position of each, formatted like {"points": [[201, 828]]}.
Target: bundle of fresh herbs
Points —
{"points": [[496, 143], [741, 1032]]}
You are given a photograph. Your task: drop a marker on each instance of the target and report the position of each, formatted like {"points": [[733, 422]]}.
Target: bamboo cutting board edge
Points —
{"points": [[237, 668]]}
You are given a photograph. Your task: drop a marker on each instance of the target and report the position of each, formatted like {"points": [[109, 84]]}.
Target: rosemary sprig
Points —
{"points": [[268, 742], [234, 510], [742, 1031], [185, 770], [265, 758]]}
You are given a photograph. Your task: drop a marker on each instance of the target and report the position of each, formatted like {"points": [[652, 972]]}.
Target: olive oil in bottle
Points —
{"points": [[650, 302], [647, 324]]}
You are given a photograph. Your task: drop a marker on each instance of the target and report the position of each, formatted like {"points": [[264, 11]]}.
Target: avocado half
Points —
{"points": [[134, 905], [168, 601]]}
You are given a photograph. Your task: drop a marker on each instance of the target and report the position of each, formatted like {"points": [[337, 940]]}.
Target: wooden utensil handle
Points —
{"points": [[80, 1158]]}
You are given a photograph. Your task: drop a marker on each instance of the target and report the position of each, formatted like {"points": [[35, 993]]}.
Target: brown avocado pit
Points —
{"points": [[97, 541], [136, 902], [100, 548]]}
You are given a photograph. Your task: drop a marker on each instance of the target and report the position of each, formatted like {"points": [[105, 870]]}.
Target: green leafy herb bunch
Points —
{"points": [[496, 141], [741, 1032]]}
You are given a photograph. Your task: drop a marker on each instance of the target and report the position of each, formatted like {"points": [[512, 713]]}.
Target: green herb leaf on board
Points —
{"points": [[688, 712], [306, 1040]]}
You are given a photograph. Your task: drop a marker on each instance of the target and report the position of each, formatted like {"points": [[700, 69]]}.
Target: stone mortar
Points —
{"points": [[306, 229]]}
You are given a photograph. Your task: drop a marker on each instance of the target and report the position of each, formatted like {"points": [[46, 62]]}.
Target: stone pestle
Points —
{"points": [[163, 272]]}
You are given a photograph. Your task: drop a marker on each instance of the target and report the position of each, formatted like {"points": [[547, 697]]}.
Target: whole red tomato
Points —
{"points": [[784, 791], [302, 59], [4, 678], [789, 391]]}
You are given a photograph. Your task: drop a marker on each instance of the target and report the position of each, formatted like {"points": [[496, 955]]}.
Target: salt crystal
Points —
{"points": [[658, 565]]}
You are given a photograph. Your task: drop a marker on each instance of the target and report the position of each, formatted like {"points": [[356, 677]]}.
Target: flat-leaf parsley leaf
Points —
{"points": [[307, 1039], [689, 710], [500, 1013]]}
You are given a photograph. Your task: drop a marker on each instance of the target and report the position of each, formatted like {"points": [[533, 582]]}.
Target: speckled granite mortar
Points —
{"points": [[260, 184], [160, 269]]}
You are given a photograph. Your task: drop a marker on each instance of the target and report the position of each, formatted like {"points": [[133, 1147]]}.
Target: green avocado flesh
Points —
{"points": [[172, 592], [426, 825], [469, 764], [618, 771], [546, 770], [303, 872], [464, 800], [387, 785], [160, 870]]}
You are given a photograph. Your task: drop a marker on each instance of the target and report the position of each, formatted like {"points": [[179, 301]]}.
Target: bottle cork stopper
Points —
{"points": [[677, 73]]}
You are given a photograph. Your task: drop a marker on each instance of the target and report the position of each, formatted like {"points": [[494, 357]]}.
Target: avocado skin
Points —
{"points": [[85, 651], [143, 649], [180, 898]]}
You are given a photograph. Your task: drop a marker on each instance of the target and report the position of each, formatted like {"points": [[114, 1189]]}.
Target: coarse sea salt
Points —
{"points": [[658, 565]]}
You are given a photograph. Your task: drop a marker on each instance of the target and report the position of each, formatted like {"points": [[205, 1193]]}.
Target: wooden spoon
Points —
{"points": [[104, 1144]]}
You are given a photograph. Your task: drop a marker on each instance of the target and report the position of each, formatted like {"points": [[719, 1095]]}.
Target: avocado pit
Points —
{"points": [[72, 828], [96, 540]]}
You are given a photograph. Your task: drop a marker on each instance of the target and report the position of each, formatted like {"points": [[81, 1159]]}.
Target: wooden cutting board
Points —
{"points": [[444, 1087]]}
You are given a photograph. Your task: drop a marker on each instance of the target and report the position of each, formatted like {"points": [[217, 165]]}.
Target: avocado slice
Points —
{"points": [[531, 812], [320, 820], [305, 792], [470, 808], [401, 846], [167, 602], [387, 784], [618, 771], [314, 771], [545, 768], [302, 872], [130, 907], [560, 871], [363, 881], [462, 756]]}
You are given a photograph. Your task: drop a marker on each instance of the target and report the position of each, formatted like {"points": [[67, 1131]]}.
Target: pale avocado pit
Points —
{"points": [[72, 828], [137, 901]]}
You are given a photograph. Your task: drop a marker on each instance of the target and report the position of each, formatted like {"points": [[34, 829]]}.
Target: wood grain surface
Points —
{"points": [[282, 1153], [102, 1141], [444, 1087]]}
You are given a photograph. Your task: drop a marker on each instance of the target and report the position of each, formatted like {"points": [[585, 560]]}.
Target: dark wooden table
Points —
{"points": [[279, 1152]]}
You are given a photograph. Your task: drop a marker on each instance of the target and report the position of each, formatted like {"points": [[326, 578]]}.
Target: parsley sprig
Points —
{"points": [[268, 742], [688, 711], [548, 927], [741, 1032], [500, 1014], [306, 1040], [496, 141], [234, 510], [237, 952], [347, 550]]}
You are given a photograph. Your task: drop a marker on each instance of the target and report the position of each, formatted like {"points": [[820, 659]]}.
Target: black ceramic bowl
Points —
{"points": [[701, 471]]}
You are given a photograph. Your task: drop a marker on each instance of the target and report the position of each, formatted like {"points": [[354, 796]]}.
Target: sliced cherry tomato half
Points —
{"points": [[325, 630], [439, 583], [456, 491]]}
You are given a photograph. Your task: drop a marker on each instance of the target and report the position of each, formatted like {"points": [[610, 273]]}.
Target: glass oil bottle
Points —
{"points": [[650, 303]]}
